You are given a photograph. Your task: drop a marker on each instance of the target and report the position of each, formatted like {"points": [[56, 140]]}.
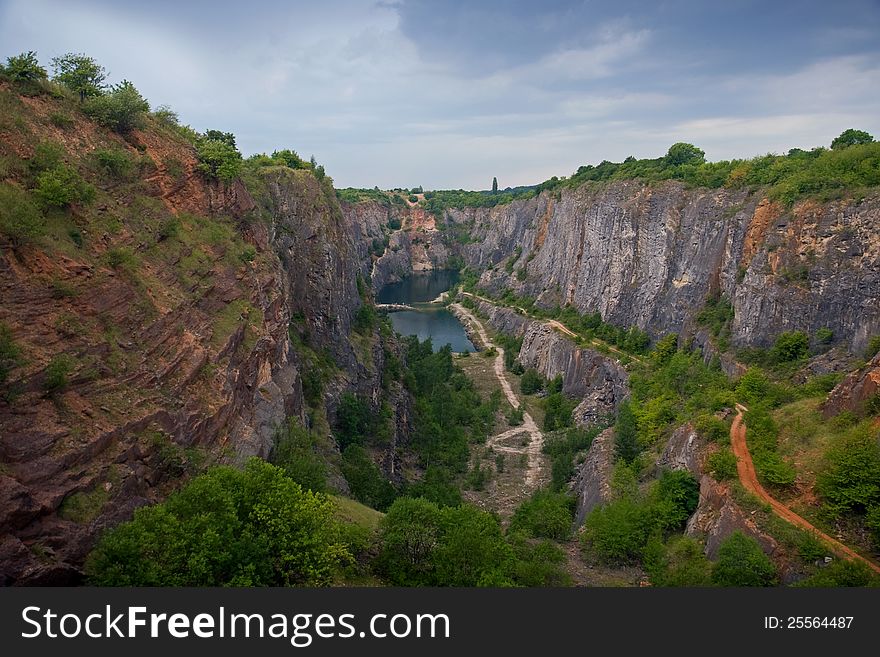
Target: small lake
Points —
{"points": [[428, 320]]}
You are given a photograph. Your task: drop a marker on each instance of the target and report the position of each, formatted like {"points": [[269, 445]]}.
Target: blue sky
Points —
{"points": [[450, 93]]}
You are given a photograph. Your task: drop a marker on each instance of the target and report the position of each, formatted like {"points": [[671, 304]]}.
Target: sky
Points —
{"points": [[446, 94]]}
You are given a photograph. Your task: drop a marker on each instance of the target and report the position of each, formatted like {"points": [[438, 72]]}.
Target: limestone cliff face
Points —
{"points": [[599, 381], [649, 255], [417, 246]]}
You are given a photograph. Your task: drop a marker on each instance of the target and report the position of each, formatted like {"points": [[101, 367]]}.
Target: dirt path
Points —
{"points": [[536, 437], [748, 476]]}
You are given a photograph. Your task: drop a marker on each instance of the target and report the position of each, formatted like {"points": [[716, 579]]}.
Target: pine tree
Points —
{"points": [[494, 185]]}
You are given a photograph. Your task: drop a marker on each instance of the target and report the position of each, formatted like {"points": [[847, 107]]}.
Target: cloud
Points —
{"points": [[448, 94]]}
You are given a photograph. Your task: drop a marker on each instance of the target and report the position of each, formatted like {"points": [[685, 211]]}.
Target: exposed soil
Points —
{"points": [[749, 478]]}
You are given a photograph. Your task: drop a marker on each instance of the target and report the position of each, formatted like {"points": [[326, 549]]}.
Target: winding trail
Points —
{"points": [[559, 326], [536, 437], [749, 478]]}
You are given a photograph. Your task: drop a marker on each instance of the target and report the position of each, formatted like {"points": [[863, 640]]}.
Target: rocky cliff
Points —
{"points": [[161, 328], [599, 381], [650, 255]]}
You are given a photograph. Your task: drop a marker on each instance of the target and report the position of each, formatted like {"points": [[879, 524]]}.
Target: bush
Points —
{"points": [[626, 444], [557, 412], [722, 464], [539, 563], [122, 109], [851, 137], [679, 562], [531, 382], [741, 562], [562, 450], [842, 572], [218, 159], [850, 480], [674, 499], [60, 120], [365, 319], [61, 187], [515, 416], [545, 515], [353, 420], [295, 454], [229, 527], [115, 162], [20, 219], [790, 346], [367, 483], [25, 70], [437, 486], [616, 533], [824, 335], [57, 372], [424, 545]]}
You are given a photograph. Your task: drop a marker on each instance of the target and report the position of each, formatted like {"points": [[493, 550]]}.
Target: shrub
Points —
{"points": [[873, 347], [626, 443], [531, 382], [25, 68], [218, 159], [680, 562], [850, 480], [60, 120], [842, 572], [674, 499], [365, 319], [741, 562], [61, 187], [683, 153], [353, 420], [122, 109], [424, 545], [115, 162], [824, 335], [722, 465], [57, 372], [228, 527], [437, 486], [20, 219], [617, 532], [295, 454], [545, 515], [790, 346], [557, 412], [367, 483], [166, 116], [515, 416], [538, 564]]}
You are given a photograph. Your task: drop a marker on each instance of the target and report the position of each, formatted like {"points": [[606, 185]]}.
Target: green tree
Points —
{"points": [[626, 440], [674, 499], [742, 562], [20, 219], [842, 572], [218, 135], [494, 185], [228, 527], [367, 483], [79, 73], [684, 153], [353, 420], [295, 454], [680, 562], [25, 68], [531, 382], [217, 159], [121, 109], [617, 532], [545, 515], [850, 480], [790, 346], [851, 137], [61, 187], [409, 534]]}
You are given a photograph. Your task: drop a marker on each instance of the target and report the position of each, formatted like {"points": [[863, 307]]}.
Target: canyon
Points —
{"points": [[198, 356]]}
